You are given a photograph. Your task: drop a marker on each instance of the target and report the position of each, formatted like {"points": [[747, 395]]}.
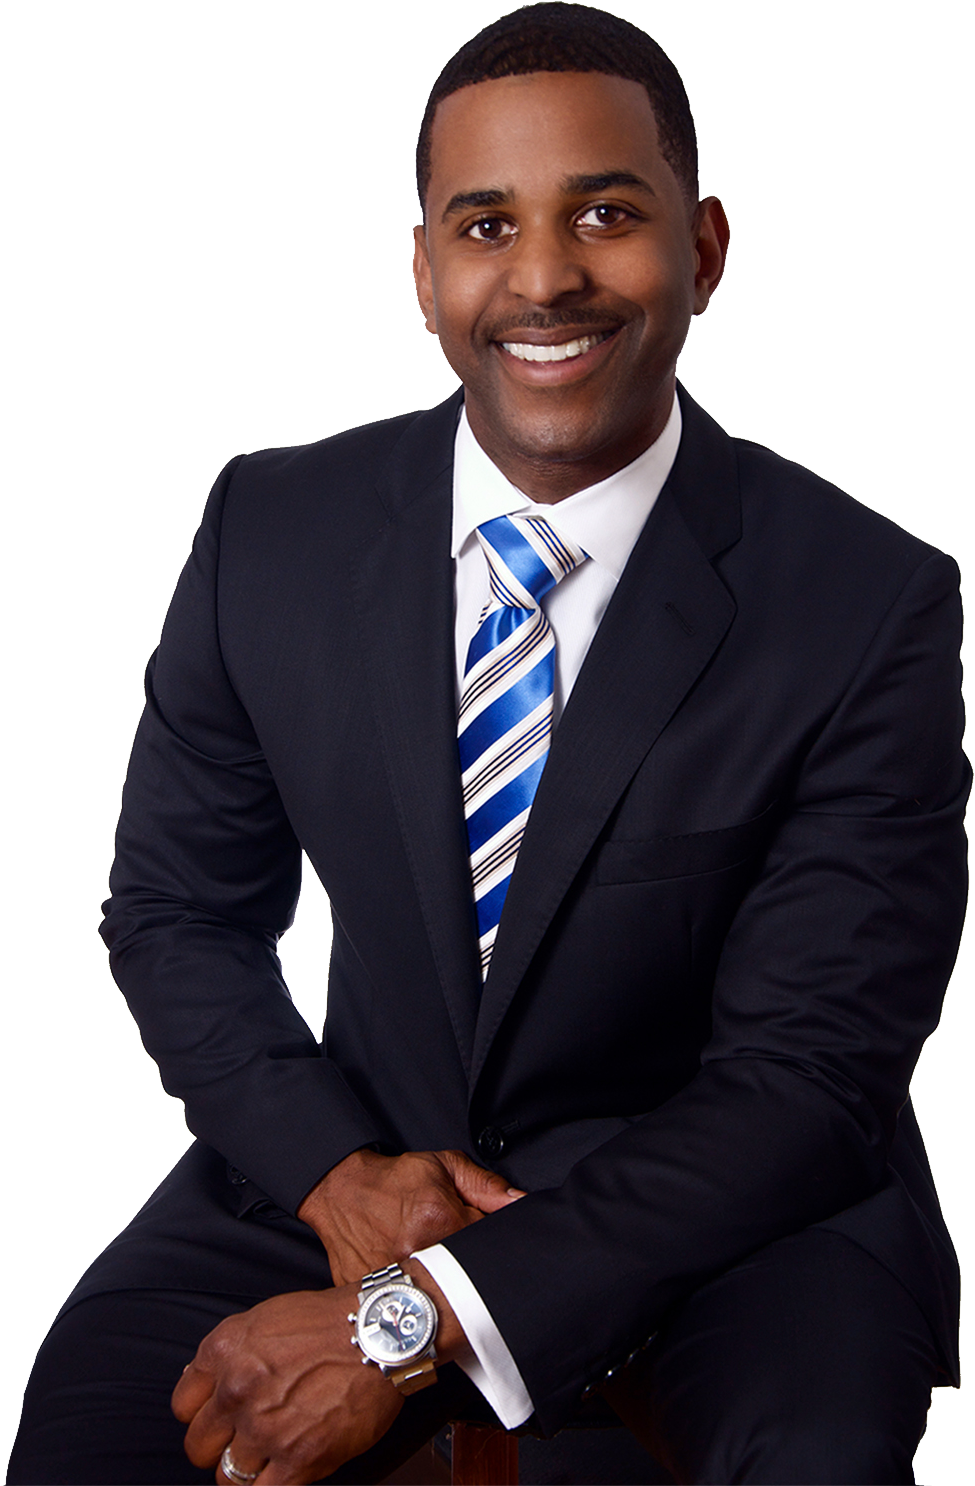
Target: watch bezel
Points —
{"points": [[417, 1348]]}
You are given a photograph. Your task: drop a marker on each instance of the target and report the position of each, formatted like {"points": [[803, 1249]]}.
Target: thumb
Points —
{"points": [[477, 1187]]}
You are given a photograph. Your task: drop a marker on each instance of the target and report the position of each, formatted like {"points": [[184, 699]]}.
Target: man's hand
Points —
{"points": [[281, 1385], [370, 1209], [283, 1388]]}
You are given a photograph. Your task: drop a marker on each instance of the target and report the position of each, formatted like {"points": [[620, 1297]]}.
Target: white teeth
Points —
{"points": [[566, 352]]}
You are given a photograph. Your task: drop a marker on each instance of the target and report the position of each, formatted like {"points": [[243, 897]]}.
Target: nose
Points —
{"points": [[545, 265]]}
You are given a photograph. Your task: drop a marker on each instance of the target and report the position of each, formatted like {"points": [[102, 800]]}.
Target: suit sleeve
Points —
{"points": [[830, 978], [206, 878]]}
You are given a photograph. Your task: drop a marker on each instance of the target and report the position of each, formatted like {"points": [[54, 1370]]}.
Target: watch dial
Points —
{"points": [[395, 1325]]}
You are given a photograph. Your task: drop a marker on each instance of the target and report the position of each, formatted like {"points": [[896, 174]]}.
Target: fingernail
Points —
{"points": [[515, 1192]]}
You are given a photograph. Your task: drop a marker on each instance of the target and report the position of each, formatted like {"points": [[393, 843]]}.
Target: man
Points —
{"points": [[708, 798]]}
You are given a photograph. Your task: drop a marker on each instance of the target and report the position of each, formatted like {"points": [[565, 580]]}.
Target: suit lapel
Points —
{"points": [[405, 604], [669, 614]]}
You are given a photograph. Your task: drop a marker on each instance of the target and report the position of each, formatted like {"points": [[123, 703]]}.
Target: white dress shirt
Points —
{"points": [[605, 521]]}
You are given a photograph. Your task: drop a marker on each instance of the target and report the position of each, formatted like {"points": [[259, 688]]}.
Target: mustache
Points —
{"points": [[555, 320]]}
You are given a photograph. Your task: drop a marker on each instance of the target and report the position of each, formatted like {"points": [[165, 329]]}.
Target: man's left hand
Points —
{"points": [[283, 1388]]}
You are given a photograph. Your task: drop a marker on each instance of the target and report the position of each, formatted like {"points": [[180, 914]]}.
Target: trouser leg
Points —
{"points": [[204, 1246], [96, 1409], [806, 1365]]}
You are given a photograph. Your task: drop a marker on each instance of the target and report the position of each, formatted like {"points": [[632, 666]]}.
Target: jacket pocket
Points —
{"points": [[657, 858]]}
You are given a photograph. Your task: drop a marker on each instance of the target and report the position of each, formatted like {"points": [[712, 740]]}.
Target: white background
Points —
{"points": [[209, 211]]}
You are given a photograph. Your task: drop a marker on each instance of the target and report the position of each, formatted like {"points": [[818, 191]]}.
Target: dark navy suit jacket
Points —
{"points": [[731, 921]]}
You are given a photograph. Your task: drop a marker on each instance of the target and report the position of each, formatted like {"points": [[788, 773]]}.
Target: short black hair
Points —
{"points": [[555, 37]]}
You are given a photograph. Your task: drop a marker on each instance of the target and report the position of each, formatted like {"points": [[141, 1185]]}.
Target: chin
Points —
{"points": [[547, 426], [554, 439]]}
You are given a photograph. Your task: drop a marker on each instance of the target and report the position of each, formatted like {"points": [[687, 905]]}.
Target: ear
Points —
{"points": [[711, 234], [423, 278]]}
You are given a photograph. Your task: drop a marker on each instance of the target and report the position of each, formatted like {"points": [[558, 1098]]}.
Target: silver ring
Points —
{"points": [[233, 1471]]}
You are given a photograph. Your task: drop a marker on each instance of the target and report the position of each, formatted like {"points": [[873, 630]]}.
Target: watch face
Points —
{"points": [[396, 1324]]}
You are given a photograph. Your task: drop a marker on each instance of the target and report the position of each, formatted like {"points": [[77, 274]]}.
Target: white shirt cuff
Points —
{"points": [[489, 1364]]}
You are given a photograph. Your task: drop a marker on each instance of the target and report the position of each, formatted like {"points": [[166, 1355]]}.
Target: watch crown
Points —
{"points": [[352, 1317]]}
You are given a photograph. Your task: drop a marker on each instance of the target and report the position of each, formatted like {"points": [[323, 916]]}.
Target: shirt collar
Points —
{"points": [[604, 519]]}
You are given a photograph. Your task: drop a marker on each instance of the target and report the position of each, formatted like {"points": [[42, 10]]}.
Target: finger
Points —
{"points": [[478, 1187], [191, 1392], [244, 1457], [207, 1433]]}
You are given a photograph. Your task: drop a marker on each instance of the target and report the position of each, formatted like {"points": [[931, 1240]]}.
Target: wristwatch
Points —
{"points": [[395, 1326]]}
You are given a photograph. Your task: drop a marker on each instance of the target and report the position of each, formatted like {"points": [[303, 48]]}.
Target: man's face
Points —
{"points": [[560, 265]]}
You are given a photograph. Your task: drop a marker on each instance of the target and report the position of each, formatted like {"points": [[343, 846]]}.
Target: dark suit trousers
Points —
{"points": [[808, 1362]]}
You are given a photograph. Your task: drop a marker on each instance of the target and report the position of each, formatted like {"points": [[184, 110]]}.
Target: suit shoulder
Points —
{"points": [[785, 496], [363, 450], [343, 483], [273, 508]]}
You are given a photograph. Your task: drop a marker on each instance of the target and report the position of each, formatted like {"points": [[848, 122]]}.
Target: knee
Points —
{"points": [[793, 1449]]}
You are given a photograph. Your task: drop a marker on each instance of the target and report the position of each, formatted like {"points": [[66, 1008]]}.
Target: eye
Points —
{"points": [[603, 215], [489, 229]]}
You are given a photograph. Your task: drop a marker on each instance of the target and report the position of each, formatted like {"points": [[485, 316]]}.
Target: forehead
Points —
{"points": [[539, 127]]}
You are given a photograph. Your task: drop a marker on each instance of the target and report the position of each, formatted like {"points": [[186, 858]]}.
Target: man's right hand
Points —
{"points": [[371, 1209]]}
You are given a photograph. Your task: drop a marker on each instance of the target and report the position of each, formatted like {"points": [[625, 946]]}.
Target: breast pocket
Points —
{"points": [[660, 858]]}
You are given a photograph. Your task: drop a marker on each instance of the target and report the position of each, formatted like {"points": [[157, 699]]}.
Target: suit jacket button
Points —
{"points": [[490, 1143], [237, 1177]]}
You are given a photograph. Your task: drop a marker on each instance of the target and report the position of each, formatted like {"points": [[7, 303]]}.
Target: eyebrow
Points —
{"points": [[572, 185], [465, 199], [585, 185]]}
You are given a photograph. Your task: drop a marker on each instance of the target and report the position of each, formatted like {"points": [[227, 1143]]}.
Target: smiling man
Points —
{"points": [[629, 756], [562, 293]]}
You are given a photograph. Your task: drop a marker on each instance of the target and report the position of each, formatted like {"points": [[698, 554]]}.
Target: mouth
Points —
{"points": [[564, 351]]}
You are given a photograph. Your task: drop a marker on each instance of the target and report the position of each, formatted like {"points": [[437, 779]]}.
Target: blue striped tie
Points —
{"points": [[505, 722]]}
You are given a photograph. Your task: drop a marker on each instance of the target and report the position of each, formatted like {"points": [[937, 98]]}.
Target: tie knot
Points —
{"points": [[526, 557]]}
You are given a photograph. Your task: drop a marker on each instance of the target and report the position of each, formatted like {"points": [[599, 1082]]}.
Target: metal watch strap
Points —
{"points": [[391, 1273]]}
